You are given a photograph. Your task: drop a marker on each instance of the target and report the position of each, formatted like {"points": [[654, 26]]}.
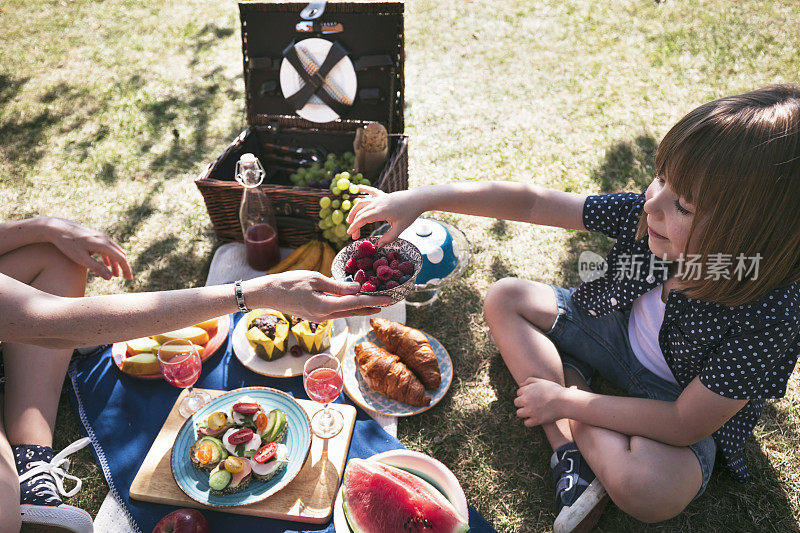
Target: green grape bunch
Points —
{"points": [[345, 188], [320, 175]]}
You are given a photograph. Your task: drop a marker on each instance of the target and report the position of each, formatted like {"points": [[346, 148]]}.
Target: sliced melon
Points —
{"points": [[171, 350], [141, 345], [208, 325], [193, 334], [265, 347], [141, 364], [378, 498]]}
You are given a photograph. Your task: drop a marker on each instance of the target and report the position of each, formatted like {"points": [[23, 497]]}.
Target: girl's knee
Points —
{"points": [[643, 494], [500, 296], [58, 273]]}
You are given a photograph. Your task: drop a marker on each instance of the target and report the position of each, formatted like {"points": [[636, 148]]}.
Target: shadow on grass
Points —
{"points": [[167, 260]]}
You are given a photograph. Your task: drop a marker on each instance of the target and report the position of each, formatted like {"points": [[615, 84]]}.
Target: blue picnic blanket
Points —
{"points": [[123, 415]]}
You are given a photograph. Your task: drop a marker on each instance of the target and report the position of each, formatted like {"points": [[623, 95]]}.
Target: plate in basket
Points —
{"points": [[217, 338], [298, 439], [288, 365], [358, 391]]}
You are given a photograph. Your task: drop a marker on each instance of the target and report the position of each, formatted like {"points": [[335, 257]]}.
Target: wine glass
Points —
{"points": [[180, 365], [322, 379]]}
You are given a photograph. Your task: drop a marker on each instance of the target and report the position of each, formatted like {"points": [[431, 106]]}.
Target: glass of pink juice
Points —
{"points": [[180, 365], [261, 246], [322, 379]]}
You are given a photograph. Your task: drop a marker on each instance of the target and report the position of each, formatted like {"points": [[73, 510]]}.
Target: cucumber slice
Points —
{"points": [[220, 479], [280, 424], [271, 419]]}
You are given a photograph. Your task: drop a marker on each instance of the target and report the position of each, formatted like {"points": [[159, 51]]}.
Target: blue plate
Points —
{"points": [[360, 393], [298, 439]]}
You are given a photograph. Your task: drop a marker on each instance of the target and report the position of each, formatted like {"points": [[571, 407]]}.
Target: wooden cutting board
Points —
{"points": [[308, 498]]}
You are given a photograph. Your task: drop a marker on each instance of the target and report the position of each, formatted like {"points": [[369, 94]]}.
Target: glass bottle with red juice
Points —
{"points": [[257, 215]]}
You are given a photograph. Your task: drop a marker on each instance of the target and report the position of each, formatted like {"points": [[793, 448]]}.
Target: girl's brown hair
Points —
{"points": [[737, 159]]}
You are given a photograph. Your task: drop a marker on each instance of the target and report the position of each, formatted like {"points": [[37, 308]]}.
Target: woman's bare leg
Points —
{"points": [[649, 480], [518, 311], [34, 375], [10, 519]]}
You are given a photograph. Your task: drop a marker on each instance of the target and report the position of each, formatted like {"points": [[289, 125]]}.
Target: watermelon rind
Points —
{"points": [[400, 475]]}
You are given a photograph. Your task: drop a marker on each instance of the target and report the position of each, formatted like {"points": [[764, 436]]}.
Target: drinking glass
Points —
{"points": [[180, 365], [322, 379]]}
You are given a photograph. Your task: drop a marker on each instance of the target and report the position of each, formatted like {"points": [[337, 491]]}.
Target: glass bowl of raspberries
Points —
{"points": [[387, 271]]}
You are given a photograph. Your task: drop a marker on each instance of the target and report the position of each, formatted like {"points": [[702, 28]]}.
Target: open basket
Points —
{"points": [[372, 35]]}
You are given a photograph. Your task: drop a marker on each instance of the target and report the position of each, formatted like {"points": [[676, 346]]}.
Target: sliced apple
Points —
{"points": [[208, 325], [141, 364], [141, 345], [169, 351], [192, 334]]}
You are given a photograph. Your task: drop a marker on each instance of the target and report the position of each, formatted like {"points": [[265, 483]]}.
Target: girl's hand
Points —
{"points": [[311, 295], [399, 209], [80, 244], [538, 401]]}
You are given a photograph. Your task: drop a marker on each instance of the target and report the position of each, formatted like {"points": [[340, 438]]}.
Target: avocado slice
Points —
{"points": [[278, 427], [221, 453]]}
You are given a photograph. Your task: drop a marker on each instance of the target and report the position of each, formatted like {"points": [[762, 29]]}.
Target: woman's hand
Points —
{"points": [[80, 244], [399, 209], [538, 401], [311, 295]]}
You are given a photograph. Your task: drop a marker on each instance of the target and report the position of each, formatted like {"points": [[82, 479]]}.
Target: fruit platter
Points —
{"points": [[273, 344], [138, 357], [241, 447], [392, 489]]}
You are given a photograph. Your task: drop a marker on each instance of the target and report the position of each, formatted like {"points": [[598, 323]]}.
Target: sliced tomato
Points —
{"points": [[261, 422], [241, 436], [246, 408], [266, 452], [217, 420], [234, 464], [205, 453]]}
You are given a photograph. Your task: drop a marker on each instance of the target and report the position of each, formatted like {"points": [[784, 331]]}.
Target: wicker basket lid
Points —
{"points": [[372, 35]]}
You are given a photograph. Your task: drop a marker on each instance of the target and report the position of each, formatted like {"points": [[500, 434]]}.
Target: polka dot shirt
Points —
{"points": [[740, 352]]}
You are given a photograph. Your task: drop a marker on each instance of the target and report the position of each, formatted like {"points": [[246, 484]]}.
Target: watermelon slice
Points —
{"points": [[378, 498]]}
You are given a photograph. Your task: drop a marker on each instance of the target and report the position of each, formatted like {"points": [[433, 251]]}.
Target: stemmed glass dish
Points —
{"points": [[322, 379], [180, 365]]}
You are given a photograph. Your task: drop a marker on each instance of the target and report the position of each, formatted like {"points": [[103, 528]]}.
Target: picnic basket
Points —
{"points": [[373, 37]]}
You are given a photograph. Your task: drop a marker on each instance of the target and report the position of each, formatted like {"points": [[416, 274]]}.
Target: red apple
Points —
{"points": [[183, 521]]}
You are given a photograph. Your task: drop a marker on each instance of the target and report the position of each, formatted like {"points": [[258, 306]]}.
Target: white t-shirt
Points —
{"points": [[647, 315]]}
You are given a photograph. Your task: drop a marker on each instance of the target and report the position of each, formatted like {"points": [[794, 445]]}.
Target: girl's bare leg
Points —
{"points": [[518, 311], [34, 375], [649, 480], [10, 519]]}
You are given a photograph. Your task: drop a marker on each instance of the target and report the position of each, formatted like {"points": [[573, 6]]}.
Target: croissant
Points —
{"points": [[387, 375], [413, 348]]}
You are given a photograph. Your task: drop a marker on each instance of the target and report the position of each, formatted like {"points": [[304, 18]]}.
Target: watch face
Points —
{"points": [[340, 83]]}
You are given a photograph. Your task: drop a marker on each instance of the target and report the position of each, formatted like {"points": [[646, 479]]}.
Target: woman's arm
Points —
{"points": [[500, 199], [696, 414], [31, 316], [77, 242]]}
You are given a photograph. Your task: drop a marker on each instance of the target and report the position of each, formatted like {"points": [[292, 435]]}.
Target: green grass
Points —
{"points": [[109, 109]]}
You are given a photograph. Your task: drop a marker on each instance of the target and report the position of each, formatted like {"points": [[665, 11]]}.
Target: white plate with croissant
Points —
{"points": [[396, 370]]}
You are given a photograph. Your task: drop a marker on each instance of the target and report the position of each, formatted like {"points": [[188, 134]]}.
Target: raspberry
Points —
{"points": [[380, 262], [365, 263], [391, 284], [395, 264], [366, 249], [384, 272], [406, 267], [350, 266], [374, 280], [368, 287], [396, 274], [360, 277], [394, 256], [382, 287]]}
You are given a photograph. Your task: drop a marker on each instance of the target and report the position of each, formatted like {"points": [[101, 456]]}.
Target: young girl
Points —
{"points": [[43, 266], [697, 314]]}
